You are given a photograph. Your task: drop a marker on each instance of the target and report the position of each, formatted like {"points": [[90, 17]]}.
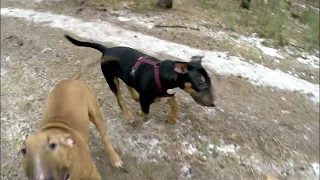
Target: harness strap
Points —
{"points": [[144, 59]]}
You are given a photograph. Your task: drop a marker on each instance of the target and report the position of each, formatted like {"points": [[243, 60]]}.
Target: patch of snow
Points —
{"points": [[258, 43], [211, 146], [226, 149], [123, 19], [313, 61], [146, 148], [316, 169], [142, 21], [105, 32], [188, 148]]}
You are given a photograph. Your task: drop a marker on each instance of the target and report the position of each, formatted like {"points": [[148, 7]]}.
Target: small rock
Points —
{"points": [[160, 127], [203, 158], [124, 6], [20, 42], [304, 55], [148, 14], [210, 146], [187, 171], [285, 112], [283, 98], [277, 61], [45, 50]]}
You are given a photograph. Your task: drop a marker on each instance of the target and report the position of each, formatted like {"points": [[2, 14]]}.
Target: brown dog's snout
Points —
{"points": [[43, 177], [47, 178]]}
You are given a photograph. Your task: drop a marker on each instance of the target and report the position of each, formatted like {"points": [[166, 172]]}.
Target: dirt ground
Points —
{"points": [[254, 133]]}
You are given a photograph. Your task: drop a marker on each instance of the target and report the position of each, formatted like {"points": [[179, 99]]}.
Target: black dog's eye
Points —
{"points": [[24, 151], [200, 83], [52, 146]]}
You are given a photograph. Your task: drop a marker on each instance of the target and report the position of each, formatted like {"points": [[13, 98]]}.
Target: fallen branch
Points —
{"points": [[176, 26]]}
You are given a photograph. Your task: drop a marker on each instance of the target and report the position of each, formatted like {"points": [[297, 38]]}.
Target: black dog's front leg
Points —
{"points": [[145, 103]]}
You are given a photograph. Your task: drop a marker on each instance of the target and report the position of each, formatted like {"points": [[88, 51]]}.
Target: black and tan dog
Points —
{"points": [[151, 78], [60, 149]]}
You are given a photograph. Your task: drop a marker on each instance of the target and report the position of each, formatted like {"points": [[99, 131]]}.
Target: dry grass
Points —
{"points": [[272, 20]]}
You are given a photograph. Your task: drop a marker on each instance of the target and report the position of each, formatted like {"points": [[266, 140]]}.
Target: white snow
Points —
{"points": [[224, 148], [258, 43], [142, 21], [316, 169], [188, 148], [123, 19], [313, 61], [105, 32]]}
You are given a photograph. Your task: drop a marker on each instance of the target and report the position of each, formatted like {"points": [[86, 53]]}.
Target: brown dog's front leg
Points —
{"points": [[95, 174], [174, 110], [97, 119]]}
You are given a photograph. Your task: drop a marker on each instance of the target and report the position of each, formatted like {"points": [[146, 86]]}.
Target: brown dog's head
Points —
{"points": [[196, 81], [47, 156]]}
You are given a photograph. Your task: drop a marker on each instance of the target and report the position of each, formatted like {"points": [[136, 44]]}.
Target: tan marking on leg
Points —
{"points": [[141, 113], [97, 119], [133, 94], [127, 115], [174, 110]]}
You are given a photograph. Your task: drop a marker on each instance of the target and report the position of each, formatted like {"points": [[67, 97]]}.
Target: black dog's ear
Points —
{"points": [[196, 59], [181, 68]]}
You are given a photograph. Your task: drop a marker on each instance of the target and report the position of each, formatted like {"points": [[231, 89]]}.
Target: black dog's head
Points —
{"points": [[196, 81]]}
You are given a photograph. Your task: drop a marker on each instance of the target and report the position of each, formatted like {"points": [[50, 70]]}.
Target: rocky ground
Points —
{"points": [[256, 132]]}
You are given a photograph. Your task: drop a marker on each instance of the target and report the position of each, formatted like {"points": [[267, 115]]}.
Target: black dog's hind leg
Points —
{"points": [[115, 88]]}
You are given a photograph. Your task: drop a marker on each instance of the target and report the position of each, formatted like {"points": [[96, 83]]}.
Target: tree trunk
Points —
{"points": [[165, 3]]}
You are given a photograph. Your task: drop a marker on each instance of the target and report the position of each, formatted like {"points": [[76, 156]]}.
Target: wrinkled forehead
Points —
{"points": [[36, 140]]}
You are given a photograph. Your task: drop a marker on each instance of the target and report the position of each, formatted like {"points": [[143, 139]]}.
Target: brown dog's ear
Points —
{"points": [[67, 140], [181, 68], [196, 59]]}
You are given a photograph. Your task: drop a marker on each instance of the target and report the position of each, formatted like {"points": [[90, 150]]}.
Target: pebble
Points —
{"points": [[283, 98], [45, 50], [285, 112]]}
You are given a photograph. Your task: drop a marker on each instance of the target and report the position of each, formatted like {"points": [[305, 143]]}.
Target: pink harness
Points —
{"points": [[144, 59]]}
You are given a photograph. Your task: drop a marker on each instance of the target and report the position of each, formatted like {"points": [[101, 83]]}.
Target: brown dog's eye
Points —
{"points": [[52, 146], [24, 151]]}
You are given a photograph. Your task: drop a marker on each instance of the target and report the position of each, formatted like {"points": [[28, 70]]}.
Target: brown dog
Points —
{"points": [[59, 150]]}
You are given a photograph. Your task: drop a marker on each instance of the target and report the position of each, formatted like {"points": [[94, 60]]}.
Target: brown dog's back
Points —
{"points": [[69, 100]]}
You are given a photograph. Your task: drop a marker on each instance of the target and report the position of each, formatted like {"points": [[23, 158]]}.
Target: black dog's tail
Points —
{"points": [[96, 46]]}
